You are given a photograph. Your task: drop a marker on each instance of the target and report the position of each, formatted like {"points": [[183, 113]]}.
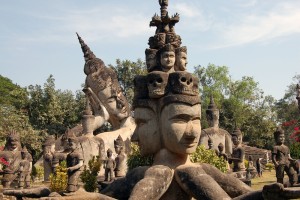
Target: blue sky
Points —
{"points": [[258, 38]]}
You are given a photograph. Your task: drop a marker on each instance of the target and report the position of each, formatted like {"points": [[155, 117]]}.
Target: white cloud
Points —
{"points": [[282, 20]]}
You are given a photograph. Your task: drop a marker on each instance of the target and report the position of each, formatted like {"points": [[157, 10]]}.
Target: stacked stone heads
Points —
{"points": [[165, 83]]}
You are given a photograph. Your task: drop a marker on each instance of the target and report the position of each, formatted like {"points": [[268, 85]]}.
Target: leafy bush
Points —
{"points": [[269, 166], [59, 179], [202, 155], [295, 150], [37, 172], [135, 159], [89, 175]]}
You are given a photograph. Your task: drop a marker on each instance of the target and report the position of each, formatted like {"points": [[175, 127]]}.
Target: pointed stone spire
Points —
{"points": [[212, 105], [87, 53]]}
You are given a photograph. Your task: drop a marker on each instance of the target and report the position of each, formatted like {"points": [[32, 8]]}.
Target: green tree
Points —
{"points": [[126, 71], [241, 103], [54, 110]]}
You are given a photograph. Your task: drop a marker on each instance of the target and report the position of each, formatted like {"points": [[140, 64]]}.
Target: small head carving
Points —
{"points": [[12, 141], [279, 136], [156, 83], [159, 40], [109, 153], [173, 39], [119, 144], [183, 83], [151, 61], [181, 58], [236, 136]]}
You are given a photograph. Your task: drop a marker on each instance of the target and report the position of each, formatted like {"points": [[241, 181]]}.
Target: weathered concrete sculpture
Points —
{"points": [[74, 163], [25, 169], [64, 149], [167, 115], [109, 166], [238, 152], [48, 154], [12, 154], [107, 104], [282, 159], [218, 135], [121, 159]]}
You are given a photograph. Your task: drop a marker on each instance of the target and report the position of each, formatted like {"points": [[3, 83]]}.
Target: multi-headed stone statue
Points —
{"points": [[214, 132]]}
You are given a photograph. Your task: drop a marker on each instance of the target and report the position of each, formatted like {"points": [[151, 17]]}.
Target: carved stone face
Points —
{"points": [[236, 140], [13, 143], [181, 61], [156, 83], [280, 139], [115, 103], [146, 133], [180, 127], [118, 149], [72, 144], [167, 60], [212, 117], [150, 61]]}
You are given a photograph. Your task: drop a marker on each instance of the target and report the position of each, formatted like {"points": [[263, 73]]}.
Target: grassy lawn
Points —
{"points": [[268, 177]]}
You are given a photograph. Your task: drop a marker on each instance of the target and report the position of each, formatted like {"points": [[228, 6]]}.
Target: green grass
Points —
{"points": [[268, 177]]}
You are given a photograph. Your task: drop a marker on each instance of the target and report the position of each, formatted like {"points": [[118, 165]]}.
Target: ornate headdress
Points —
{"points": [[119, 141], [49, 141], [13, 135], [237, 132]]}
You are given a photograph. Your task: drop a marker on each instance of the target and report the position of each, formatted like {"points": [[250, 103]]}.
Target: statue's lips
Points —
{"points": [[189, 144]]}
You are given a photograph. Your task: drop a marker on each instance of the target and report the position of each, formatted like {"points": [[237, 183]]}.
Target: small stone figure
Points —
{"points": [[25, 169], [109, 166], [74, 164], [251, 169], [282, 159], [259, 167], [221, 153], [238, 152], [12, 154], [121, 159], [48, 154]]}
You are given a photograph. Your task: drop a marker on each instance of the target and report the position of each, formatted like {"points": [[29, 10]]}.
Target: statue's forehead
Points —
{"points": [[174, 109]]}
